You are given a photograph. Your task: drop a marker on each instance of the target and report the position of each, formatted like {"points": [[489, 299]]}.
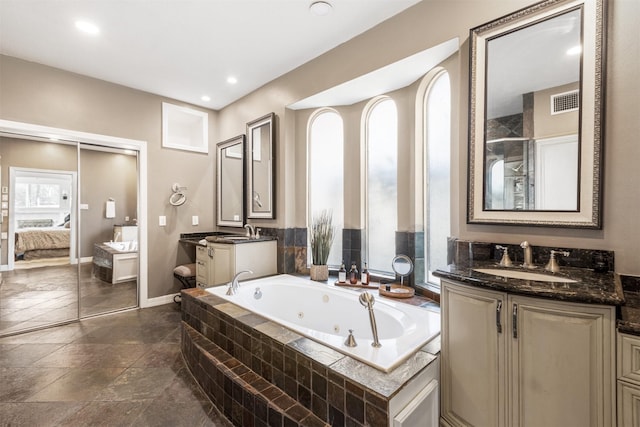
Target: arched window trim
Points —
{"points": [[309, 215], [422, 97], [367, 110]]}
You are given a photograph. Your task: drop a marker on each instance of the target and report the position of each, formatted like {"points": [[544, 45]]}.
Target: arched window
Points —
{"points": [[382, 185], [326, 175], [438, 174]]}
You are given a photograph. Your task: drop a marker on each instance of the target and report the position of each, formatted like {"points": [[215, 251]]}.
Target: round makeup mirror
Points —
{"points": [[403, 266]]}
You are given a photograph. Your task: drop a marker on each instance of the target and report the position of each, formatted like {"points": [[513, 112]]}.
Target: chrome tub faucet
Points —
{"points": [[234, 285], [367, 300]]}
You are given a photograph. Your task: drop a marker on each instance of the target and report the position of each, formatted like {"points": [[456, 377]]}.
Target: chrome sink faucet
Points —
{"points": [[528, 257], [234, 285], [552, 265], [251, 231], [505, 261]]}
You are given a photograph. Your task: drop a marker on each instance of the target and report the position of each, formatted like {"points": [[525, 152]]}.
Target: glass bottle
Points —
{"points": [[353, 274], [364, 278], [342, 274]]}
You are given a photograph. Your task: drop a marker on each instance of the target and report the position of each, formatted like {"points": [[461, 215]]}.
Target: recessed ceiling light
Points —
{"points": [[205, 98], [87, 27], [320, 8], [232, 80], [576, 50]]}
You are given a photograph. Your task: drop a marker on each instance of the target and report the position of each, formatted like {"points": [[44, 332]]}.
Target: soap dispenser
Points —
{"points": [[342, 274], [353, 274], [364, 277]]}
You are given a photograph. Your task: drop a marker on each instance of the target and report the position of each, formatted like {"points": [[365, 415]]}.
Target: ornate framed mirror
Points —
{"points": [[231, 182], [535, 116], [260, 195]]}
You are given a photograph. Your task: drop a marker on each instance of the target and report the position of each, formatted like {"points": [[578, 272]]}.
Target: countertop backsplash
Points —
{"points": [[464, 252]]}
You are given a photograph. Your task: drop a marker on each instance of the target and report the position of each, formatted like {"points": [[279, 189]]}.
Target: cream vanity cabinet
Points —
{"points": [[217, 263], [628, 380], [510, 360]]}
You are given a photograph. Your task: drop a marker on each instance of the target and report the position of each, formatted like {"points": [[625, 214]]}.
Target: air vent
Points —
{"points": [[565, 102]]}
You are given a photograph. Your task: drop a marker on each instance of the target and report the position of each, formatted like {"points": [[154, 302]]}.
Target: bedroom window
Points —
{"points": [[37, 195]]}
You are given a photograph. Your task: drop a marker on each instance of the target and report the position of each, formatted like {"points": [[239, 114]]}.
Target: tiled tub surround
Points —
{"points": [[243, 360], [302, 306]]}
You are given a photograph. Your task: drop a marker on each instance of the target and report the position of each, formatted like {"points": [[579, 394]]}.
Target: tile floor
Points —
{"points": [[35, 297], [124, 369]]}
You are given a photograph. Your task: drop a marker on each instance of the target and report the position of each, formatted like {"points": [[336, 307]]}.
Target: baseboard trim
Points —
{"points": [[152, 302]]}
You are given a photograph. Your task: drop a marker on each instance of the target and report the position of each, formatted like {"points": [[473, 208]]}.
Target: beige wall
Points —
{"points": [[105, 175], [46, 96], [41, 95], [423, 26], [545, 124]]}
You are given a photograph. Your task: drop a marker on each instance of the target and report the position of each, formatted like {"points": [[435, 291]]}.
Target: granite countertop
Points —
{"points": [[629, 313], [237, 239], [590, 287]]}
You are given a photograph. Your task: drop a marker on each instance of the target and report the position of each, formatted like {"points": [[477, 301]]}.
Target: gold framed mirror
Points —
{"points": [[535, 116]]}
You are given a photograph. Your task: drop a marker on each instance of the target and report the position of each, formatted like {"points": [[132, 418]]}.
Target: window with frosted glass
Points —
{"points": [[382, 186], [326, 181], [438, 142]]}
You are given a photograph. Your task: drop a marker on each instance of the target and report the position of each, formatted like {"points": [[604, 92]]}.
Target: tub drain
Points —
{"points": [[300, 314]]}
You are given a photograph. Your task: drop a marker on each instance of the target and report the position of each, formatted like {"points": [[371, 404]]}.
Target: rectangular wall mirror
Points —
{"points": [[260, 194], [535, 134], [230, 182]]}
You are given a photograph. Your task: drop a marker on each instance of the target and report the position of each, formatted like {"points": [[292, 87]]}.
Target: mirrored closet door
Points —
{"points": [[69, 231], [39, 279]]}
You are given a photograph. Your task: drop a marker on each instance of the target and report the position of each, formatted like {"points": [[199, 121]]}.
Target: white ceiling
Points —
{"points": [[184, 49]]}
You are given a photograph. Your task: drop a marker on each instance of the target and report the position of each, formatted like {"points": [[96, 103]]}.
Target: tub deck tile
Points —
{"points": [[316, 351], [387, 384], [277, 332], [232, 310]]}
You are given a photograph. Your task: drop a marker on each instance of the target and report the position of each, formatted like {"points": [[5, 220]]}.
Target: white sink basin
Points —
{"points": [[234, 237], [123, 246], [523, 275]]}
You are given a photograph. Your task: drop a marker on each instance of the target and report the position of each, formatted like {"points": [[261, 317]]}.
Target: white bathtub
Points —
{"points": [[325, 313]]}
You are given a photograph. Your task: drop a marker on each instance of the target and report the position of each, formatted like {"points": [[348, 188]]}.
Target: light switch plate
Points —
{"points": [[4, 236], [194, 220], [162, 220]]}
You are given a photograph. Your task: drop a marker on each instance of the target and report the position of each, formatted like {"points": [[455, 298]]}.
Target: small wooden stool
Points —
{"points": [[186, 274]]}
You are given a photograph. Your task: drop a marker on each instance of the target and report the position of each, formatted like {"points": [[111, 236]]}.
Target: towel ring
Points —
{"points": [[177, 199]]}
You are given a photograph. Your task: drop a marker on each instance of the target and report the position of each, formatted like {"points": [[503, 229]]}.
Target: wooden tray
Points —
{"points": [[397, 291], [357, 285]]}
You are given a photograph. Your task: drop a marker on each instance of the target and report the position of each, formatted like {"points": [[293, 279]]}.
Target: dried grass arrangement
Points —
{"points": [[321, 238]]}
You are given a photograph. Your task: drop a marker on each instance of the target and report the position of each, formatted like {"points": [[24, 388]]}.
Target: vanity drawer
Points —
{"points": [[629, 358]]}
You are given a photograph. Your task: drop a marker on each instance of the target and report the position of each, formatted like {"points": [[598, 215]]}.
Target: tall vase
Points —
{"points": [[319, 273]]}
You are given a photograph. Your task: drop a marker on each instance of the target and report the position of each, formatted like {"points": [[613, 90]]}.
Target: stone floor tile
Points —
{"points": [[18, 384], [193, 414], [80, 384], [106, 414], [138, 384], [41, 414]]}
